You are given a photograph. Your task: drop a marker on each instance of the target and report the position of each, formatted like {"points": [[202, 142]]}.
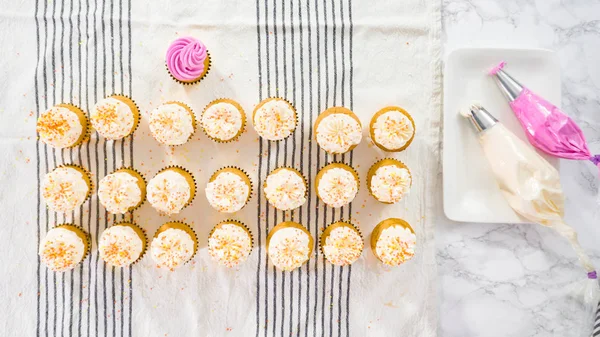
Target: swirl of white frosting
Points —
{"points": [[393, 130], [112, 118], [171, 124], [172, 248], [338, 132], [289, 248], [227, 193], [119, 192], [62, 249], [275, 120], [343, 246], [396, 244], [390, 183], [59, 127], [120, 246], [337, 187], [285, 189], [222, 121], [168, 192], [229, 244], [64, 189]]}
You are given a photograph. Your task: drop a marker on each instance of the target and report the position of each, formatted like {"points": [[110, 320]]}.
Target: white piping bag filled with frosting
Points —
{"points": [[532, 187]]}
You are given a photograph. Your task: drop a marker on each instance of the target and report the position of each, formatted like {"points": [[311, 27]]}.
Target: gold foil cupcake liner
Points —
{"points": [[141, 176], [381, 163], [239, 223], [139, 112], [292, 224], [227, 168], [194, 124], [87, 177], [335, 225], [184, 227], [195, 187], [381, 112], [264, 101], [207, 65], [298, 173], [337, 164], [86, 134], [240, 109], [376, 233], [331, 111], [82, 234]]}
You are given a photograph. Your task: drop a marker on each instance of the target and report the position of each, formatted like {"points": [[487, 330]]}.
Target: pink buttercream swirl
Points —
{"points": [[185, 58]]}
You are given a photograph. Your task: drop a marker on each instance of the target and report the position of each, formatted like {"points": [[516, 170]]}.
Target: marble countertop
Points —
{"points": [[513, 280]]}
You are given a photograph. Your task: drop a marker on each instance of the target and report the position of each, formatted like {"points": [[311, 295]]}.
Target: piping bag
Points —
{"points": [[532, 187]]}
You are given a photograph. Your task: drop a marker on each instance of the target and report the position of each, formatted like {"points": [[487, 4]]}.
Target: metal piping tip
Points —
{"points": [[480, 118], [510, 87]]}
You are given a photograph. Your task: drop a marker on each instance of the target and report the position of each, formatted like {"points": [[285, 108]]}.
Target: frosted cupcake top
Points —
{"points": [[228, 192], [62, 249], [171, 124], [172, 248], [185, 58], [393, 130], [285, 189], [222, 121], [390, 183], [343, 246], [338, 132], [275, 119], [118, 192], [59, 127], [337, 187], [289, 248], [64, 189], [396, 245], [120, 246], [229, 244], [168, 192], [112, 118]]}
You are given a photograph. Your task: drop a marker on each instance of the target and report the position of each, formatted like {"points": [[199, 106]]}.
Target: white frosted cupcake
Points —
{"points": [[66, 188], [63, 126], [289, 245], [285, 188], [341, 243], [392, 129], [64, 247], [122, 244], [115, 117], [230, 243], [122, 191], [174, 244], [338, 130], [228, 190], [393, 241], [223, 120], [274, 118], [337, 184], [389, 180], [172, 189], [172, 123]]}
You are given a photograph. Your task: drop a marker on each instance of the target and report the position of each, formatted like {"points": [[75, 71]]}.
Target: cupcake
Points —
{"points": [[392, 129], [223, 120], [389, 180], [66, 188], [172, 123], [64, 247], [122, 244], [285, 188], [171, 189], [337, 184], [393, 241], [228, 190], [341, 243], [338, 130], [63, 126], [122, 191], [289, 245], [230, 243], [174, 244], [187, 60], [274, 118]]}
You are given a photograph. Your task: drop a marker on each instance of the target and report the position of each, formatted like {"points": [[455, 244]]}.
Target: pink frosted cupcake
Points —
{"points": [[187, 60]]}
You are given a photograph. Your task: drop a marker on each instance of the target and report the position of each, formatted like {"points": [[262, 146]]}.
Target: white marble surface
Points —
{"points": [[513, 280]]}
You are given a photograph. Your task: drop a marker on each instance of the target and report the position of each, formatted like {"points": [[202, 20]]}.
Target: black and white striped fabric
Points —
{"points": [[316, 54], [596, 331]]}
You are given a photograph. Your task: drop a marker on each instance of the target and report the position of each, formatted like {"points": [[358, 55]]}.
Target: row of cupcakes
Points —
{"points": [[337, 129], [289, 244], [228, 189]]}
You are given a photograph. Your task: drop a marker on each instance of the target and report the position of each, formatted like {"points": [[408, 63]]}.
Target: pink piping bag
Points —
{"points": [[547, 128]]}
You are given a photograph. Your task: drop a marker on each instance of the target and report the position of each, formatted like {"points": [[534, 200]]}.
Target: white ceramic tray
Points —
{"points": [[470, 191]]}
